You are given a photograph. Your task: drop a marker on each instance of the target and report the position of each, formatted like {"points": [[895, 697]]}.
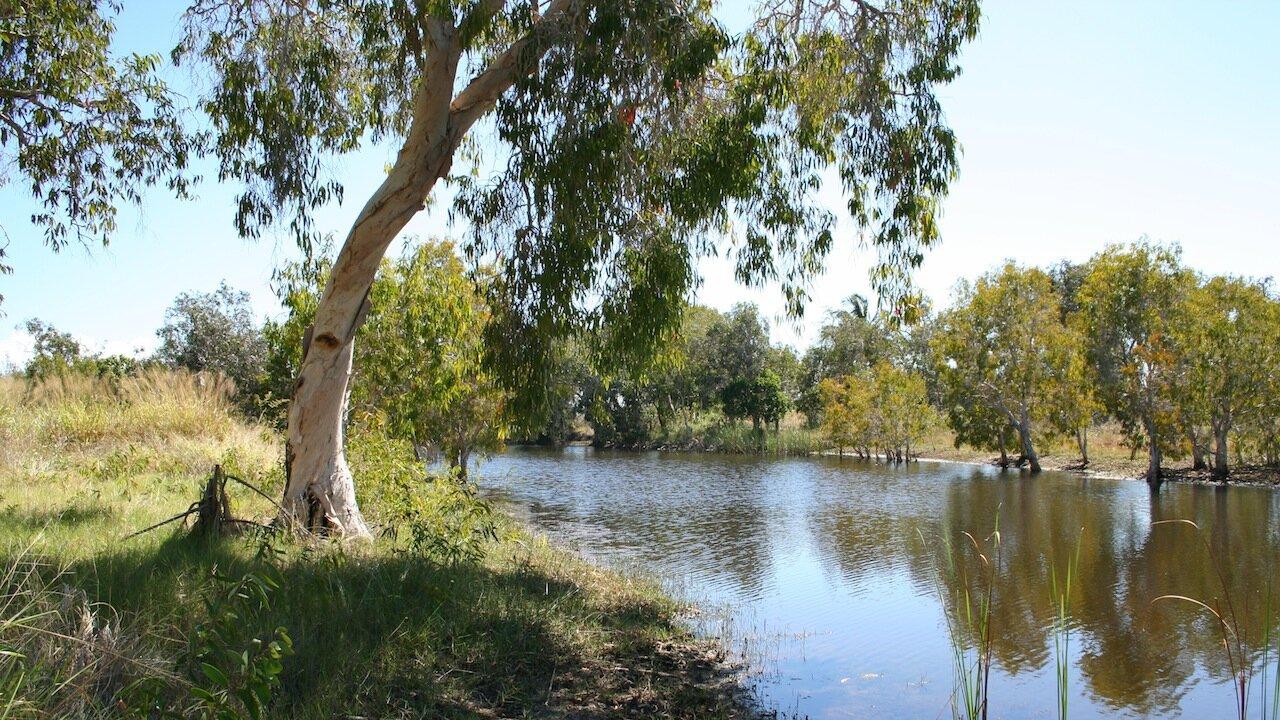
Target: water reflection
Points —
{"points": [[846, 553]]}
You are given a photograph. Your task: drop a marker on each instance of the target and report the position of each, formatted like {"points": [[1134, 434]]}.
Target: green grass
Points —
{"points": [[378, 629]]}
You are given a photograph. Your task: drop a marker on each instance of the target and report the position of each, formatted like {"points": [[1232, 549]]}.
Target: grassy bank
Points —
{"points": [[458, 613]]}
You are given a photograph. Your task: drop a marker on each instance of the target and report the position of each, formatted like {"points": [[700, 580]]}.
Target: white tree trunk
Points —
{"points": [[319, 491]]}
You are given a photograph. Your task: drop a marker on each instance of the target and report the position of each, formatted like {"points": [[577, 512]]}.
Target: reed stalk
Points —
{"points": [[1061, 594]]}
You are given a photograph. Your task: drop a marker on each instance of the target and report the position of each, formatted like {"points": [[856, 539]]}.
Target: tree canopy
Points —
{"points": [[1004, 347], [82, 129], [631, 135]]}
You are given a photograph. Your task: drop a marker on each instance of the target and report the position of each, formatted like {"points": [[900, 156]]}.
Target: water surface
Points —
{"points": [[825, 574]]}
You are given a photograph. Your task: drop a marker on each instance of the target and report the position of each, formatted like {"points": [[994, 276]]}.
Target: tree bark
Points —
{"points": [[1082, 442], [1198, 450], [1153, 457], [1028, 448], [1220, 458]]}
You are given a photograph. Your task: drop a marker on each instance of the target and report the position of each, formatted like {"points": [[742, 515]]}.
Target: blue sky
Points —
{"points": [[1082, 124]]}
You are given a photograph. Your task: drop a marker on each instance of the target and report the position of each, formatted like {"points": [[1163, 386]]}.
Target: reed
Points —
{"points": [[968, 616], [1270, 655], [1061, 595], [1228, 622]]}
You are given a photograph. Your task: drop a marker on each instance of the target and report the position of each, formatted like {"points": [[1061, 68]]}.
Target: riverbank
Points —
{"points": [[455, 612], [1109, 458]]}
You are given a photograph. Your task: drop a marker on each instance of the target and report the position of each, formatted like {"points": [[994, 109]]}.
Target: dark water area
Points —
{"points": [[825, 574]]}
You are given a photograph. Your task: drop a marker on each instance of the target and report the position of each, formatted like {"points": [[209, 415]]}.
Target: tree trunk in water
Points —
{"points": [[1153, 458], [1082, 442], [1028, 448], [1004, 455], [1220, 462]]}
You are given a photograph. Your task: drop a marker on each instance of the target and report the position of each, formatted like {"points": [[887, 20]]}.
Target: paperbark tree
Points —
{"points": [[1004, 346], [626, 136], [1132, 301], [1228, 339]]}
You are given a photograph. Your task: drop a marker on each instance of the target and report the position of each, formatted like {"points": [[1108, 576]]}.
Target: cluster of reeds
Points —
{"points": [[972, 570], [1060, 587], [972, 567]]}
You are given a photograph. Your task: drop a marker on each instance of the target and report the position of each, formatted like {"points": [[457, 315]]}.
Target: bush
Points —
{"points": [[216, 333]]}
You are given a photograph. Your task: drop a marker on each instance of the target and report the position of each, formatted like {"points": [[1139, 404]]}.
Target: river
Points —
{"points": [[827, 576]]}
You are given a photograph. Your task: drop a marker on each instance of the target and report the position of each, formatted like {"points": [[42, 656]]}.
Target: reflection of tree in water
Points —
{"points": [[1134, 654]]}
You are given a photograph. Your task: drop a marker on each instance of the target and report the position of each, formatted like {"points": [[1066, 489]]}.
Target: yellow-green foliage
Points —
{"points": [[884, 408]]}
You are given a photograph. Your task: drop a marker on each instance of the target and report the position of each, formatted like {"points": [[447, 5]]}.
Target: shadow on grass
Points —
{"points": [[382, 634], [71, 516]]}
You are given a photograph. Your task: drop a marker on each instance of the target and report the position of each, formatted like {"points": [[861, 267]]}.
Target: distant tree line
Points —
{"points": [[1187, 365]]}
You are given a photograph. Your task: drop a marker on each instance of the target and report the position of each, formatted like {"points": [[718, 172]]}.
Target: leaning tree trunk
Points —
{"points": [[1082, 442], [319, 490], [1198, 450], [1028, 448]]}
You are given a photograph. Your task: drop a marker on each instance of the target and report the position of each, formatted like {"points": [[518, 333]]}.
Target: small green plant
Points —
{"points": [[443, 516], [1061, 596], [230, 668]]}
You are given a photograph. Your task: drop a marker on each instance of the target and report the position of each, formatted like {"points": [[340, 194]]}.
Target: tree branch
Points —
{"points": [[483, 91]]}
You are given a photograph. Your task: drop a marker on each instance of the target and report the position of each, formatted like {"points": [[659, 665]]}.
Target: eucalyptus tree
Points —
{"points": [[621, 141], [1004, 345], [82, 130], [1231, 350], [1131, 303]]}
